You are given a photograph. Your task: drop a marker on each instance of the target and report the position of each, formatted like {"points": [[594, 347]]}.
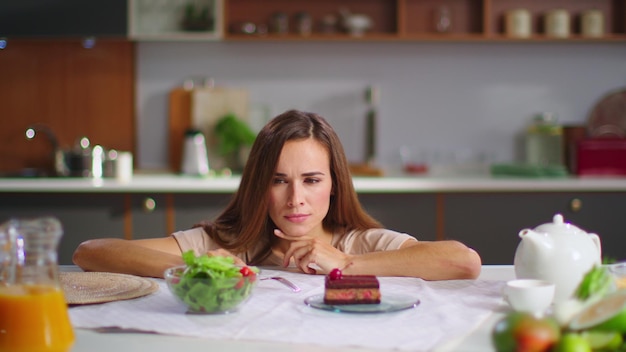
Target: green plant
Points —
{"points": [[197, 18], [232, 135]]}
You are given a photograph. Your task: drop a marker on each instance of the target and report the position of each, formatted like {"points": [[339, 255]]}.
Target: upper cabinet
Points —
{"points": [[175, 20], [439, 20], [63, 18]]}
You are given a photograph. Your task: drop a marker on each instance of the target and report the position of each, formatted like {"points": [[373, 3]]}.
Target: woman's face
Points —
{"points": [[301, 188]]}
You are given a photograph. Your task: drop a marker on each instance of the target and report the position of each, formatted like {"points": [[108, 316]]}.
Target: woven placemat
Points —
{"points": [[100, 287]]}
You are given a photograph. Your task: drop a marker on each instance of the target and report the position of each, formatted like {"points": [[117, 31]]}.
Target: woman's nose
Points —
{"points": [[295, 196]]}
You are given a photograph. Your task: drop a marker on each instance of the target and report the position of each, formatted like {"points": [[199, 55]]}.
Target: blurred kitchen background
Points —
{"points": [[443, 81], [479, 97], [438, 98]]}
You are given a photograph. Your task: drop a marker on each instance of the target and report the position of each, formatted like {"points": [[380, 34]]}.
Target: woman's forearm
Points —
{"points": [[436, 260], [123, 256]]}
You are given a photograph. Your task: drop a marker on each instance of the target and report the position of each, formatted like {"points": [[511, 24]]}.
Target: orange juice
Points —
{"points": [[34, 318]]}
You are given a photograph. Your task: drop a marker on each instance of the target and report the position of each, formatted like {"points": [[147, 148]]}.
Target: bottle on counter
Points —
{"points": [[544, 141], [34, 311]]}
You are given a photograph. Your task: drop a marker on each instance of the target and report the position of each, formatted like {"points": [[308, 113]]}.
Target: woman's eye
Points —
{"points": [[279, 181], [312, 180]]}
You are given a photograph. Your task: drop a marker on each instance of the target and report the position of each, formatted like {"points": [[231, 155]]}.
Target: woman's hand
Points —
{"points": [[307, 252], [220, 252]]}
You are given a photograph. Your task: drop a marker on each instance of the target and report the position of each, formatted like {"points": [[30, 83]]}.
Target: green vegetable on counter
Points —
{"points": [[213, 283]]}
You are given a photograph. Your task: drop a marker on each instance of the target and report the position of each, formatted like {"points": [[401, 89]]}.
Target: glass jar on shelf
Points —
{"points": [[442, 19], [544, 141]]}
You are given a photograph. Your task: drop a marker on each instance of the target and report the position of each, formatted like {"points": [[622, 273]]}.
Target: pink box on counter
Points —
{"points": [[601, 157]]}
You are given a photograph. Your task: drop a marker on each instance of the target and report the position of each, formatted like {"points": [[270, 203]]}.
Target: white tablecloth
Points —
{"points": [[448, 309]]}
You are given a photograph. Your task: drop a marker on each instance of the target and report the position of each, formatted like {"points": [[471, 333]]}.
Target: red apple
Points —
{"points": [[522, 332]]}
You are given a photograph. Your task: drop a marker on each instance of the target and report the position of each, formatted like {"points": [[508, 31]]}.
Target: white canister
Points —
{"points": [[592, 23], [518, 23], [124, 167], [557, 24], [195, 155]]}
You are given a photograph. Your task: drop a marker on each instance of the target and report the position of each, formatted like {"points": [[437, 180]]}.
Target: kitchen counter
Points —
{"points": [[171, 183], [469, 209]]}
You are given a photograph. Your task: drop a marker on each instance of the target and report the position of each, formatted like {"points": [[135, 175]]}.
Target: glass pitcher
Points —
{"points": [[34, 314]]}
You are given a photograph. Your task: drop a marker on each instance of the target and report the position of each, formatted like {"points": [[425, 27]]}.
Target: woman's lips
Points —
{"points": [[296, 218]]}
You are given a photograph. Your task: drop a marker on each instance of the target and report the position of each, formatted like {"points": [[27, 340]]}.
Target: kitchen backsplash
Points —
{"points": [[436, 97]]}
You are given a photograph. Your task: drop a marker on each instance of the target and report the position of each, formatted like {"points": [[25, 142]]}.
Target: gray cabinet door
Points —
{"points": [[83, 216], [411, 213], [149, 215], [603, 214], [490, 222], [190, 209]]}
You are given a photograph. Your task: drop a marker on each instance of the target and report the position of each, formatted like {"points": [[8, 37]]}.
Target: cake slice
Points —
{"points": [[351, 289]]}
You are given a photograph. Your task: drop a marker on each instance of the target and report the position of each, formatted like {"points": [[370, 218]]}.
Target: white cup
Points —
{"points": [[529, 295]]}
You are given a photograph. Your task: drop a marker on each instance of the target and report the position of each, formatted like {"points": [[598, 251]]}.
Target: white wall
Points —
{"points": [[434, 96]]}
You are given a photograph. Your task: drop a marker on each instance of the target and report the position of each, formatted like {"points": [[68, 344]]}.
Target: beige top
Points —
{"points": [[354, 242]]}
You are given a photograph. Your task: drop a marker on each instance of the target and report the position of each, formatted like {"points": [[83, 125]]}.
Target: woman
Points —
{"points": [[295, 206]]}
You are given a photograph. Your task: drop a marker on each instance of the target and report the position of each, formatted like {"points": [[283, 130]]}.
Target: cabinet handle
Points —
{"points": [[149, 204], [575, 205]]}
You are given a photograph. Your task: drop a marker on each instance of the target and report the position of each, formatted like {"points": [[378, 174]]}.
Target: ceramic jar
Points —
{"points": [[592, 23], [518, 23], [557, 24]]}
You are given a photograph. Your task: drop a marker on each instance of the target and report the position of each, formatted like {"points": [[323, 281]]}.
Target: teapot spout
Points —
{"points": [[537, 244]]}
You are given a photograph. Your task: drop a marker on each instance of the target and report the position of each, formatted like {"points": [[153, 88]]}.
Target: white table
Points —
{"points": [[93, 341]]}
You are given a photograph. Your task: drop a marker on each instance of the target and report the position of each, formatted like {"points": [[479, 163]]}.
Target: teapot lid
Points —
{"points": [[558, 225]]}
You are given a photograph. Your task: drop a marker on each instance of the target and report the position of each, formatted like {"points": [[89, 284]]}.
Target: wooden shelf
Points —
{"points": [[415, 20]]}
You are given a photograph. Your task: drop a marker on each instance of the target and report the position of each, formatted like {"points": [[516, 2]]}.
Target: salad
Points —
{"points": [[209, 284]]}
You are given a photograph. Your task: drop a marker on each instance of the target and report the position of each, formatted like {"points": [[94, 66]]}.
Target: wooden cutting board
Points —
{"points": [[201, 108]]}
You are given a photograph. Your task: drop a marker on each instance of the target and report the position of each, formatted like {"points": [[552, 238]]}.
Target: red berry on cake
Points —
{"points": [[335, 274]]}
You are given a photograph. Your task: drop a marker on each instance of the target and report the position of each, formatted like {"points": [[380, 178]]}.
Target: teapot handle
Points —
{"points": [[596, 240]]}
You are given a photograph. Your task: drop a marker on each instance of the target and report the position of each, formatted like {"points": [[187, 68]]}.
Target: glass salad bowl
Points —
{"points": [[203, 293]]}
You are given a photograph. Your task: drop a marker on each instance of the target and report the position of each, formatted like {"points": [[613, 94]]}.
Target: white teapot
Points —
{"points": [[557, 252]]}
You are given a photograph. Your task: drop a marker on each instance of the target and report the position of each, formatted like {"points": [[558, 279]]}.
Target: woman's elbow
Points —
{"points": [[467, 262], [85, 253], [79, 255], [474, 265]]}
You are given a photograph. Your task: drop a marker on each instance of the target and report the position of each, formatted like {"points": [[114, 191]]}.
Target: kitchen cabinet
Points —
{"points": [[150, 215], [490, 222], [63, 18], [88, 216], [412, 213], [468, 20], [75, 90], [191, 209], [83, 216], [175, 20]]}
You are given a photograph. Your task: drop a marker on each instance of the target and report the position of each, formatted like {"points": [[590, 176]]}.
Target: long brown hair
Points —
{"points": [[245, 225]]}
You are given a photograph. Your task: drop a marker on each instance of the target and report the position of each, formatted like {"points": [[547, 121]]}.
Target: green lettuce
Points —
{"points": [[213, 283]]}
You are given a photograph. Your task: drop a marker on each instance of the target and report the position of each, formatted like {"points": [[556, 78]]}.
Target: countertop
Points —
{"points": [[172, 183]]}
